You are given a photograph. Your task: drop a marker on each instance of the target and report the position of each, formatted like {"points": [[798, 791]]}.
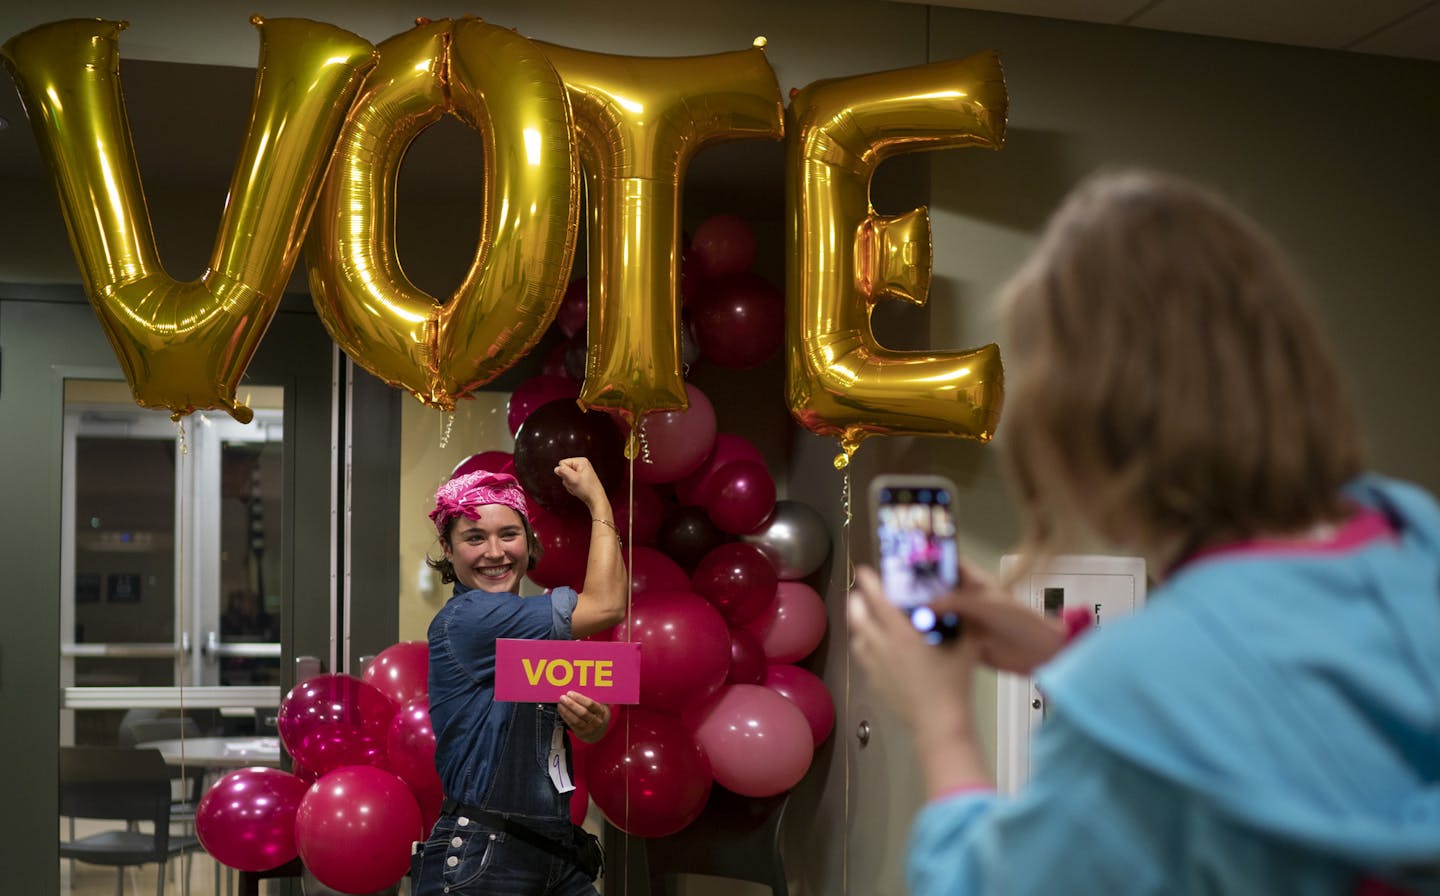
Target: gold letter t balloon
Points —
{"points": [[844, 257], [185, 346]]}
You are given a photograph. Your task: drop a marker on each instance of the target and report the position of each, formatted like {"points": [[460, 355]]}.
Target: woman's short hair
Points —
{"points": [[446, 569], [1165, 371]]}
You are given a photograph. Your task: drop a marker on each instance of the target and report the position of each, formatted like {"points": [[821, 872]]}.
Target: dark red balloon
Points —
{"points": [[354, 829], [647, 775], [570, 318], [722, 244], [687, 534], [642, 525], [740, 496], [739, 321], [490, 461], [537, 391], [554, 361], [738, 579], [411, 746], [555, 431], [747, 658], [564, 548], [807, 691], [684, 648]]}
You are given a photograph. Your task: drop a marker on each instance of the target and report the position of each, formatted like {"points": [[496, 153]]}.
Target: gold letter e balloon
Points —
{"points": [[184, 346], [844, 257]]}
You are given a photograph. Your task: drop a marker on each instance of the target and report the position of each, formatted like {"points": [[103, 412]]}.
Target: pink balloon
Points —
{"points": [[354, 829], [332, 720], [739, 320], [684, 648], [675, 443], [647, 775], [490, 461], [793, 625], [401, 671], [738, 579], [747, 659], [247, 818], [647, 512], [410, 745], [652, 571], [728, 448], [739, 497], [534, 392], [808, 692], [722, 244], [564, 548], [758, 742]]}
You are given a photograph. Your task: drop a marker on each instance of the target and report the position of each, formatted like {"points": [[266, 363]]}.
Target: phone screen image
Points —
{"points": [[918, 558]]}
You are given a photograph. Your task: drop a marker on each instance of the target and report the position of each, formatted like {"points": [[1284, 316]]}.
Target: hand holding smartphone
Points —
{"points": [[915, 549]]}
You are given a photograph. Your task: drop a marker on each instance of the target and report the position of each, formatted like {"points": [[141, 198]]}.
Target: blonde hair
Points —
{"points": [[1166, 377]]}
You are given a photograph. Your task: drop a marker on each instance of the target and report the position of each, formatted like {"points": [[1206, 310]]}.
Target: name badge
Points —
{"points": [[533, 671]]}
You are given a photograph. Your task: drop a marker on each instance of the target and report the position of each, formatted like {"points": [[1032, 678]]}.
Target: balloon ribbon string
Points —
{"points": [[629, 598], [849, 584], [181, 544]]}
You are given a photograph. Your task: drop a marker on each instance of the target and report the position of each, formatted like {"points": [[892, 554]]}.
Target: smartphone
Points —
{"points": [[915, 549]]}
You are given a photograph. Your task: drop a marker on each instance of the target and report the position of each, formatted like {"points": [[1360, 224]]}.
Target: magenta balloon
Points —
{"points": [[792, 626], [640, 526], [722, 244], [739, 497], [246, 820], [738, 579], [676, 443], [534, 392], [564, 548], [728, 448], [747, 658], [332, 720], [647, 775], [490, 461], [808, 692], [758, 742], [354, 829], [401, 671], [684, 648], [651, 570], [410, 746]]}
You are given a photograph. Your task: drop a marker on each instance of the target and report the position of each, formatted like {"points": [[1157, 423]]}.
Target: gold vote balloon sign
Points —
{"points": [[844, 257], [185, 346], [501, 85]]}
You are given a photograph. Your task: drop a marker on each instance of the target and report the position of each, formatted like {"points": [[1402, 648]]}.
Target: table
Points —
{"points": [[219, 752]]}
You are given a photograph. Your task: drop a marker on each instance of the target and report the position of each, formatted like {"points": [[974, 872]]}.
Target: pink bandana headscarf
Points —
{"points": [[463, 496]]}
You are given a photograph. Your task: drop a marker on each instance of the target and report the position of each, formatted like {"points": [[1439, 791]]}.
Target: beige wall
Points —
{"points": [[1330, 150]]}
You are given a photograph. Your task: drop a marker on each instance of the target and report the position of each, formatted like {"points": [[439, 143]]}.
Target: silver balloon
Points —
{"points": [[795, 539]]}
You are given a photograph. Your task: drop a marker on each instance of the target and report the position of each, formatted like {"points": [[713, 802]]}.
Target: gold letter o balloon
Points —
{"points": [[502, 85]]}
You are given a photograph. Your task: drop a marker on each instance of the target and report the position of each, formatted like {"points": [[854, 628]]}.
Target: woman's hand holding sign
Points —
{"points": [[587, 718]]}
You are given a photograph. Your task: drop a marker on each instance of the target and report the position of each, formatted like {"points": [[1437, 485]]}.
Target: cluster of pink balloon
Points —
{"points": [[362, 788], [716, 564]]}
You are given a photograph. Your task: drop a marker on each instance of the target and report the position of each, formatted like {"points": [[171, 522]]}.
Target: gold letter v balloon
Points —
{"points": [[500, 84], [185, 346], [844, 257]]}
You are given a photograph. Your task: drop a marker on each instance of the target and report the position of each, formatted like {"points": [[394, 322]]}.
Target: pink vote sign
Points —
{"points": [[529, 671]]}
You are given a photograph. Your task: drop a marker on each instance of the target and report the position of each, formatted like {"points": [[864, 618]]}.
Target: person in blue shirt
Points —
{"points": [[505, 826], [1270, 721]]}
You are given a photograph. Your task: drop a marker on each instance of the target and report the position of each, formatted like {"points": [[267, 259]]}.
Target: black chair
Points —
{"points": [[121, 784], [735, 837]]}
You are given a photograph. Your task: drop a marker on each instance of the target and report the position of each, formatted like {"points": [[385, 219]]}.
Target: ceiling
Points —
{"points": [[1407, 28]]}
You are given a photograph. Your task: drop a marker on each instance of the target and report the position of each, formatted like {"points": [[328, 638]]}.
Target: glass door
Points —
{"points": [[167, 553]]}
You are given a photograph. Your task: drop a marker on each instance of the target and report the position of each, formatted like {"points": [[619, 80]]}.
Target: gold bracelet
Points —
{"points": [[596, 519]]}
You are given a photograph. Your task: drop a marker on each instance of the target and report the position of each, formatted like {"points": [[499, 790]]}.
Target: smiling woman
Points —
{"points": [[491, 754]]}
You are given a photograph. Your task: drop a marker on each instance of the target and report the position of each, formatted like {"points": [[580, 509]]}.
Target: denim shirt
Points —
{"points": [[488, 753]]}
